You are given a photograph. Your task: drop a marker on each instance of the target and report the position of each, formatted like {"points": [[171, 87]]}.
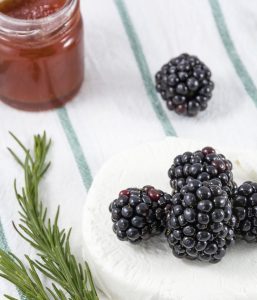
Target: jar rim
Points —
{"points": [[20, 27]]}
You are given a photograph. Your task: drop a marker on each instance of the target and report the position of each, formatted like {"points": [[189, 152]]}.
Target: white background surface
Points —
{"points": [[114, 111]]}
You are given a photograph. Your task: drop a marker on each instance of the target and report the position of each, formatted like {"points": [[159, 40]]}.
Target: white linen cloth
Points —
{"points": [[126, 42]]}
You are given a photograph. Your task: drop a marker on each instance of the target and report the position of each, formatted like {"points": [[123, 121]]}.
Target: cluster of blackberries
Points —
{"points": [[185, 84], [205, 214]]}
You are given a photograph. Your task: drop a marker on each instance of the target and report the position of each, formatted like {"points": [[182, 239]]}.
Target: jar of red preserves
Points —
{"points": [[41, 53]]}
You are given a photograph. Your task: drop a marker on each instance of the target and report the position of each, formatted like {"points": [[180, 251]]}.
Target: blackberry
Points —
{"points": [[200, 224], [185, 84], [139, 214], [245, 209], [203, 165]]}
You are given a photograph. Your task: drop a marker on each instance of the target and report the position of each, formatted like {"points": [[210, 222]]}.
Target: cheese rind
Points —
{"points": [[149, 270]]}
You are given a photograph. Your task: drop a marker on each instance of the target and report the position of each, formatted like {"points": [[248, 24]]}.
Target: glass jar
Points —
{"points": [[41, 60]]}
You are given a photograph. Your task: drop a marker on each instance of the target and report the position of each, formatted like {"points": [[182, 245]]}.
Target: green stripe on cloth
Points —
{"points": [[232, 52], [4, 246], [143, 67], [3, 242], [75, 147]]}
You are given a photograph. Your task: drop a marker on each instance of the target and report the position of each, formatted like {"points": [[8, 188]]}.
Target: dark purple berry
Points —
{"points": [[185, 84], [200, 225], [245, 211], [192, 168], [139, 214]]}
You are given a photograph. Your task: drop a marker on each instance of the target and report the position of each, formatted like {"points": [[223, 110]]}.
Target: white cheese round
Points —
{"points": [[149, 271]]}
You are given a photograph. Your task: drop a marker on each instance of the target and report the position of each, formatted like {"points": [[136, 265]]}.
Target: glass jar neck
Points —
{"points": [[23, 29]]}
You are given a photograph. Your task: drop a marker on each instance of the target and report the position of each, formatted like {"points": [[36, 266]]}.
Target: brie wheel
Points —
{"points": [[149, 271]]}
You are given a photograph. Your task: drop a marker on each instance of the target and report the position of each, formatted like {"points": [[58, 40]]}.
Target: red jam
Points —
{"points": [[32, 9], [41, 59]]}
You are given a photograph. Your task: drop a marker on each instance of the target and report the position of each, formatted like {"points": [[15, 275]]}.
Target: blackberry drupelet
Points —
{"points": [[139, 214], [185, 84], [203, 165], [200, 224], [245, 210]]}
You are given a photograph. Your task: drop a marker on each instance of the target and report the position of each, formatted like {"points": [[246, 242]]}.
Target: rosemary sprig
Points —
{"points": [[26, 279], [52, 243]]}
